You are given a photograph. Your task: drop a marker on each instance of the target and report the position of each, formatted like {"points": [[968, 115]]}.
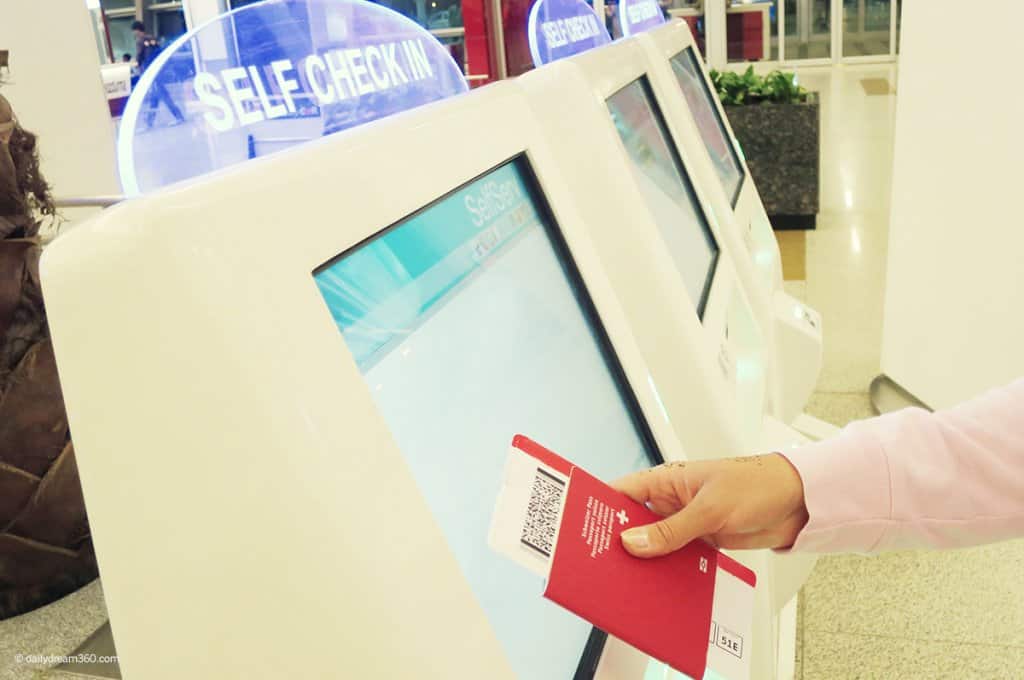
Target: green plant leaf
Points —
{"points": [[749, 88]]}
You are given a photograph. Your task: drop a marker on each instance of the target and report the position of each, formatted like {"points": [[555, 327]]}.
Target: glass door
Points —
{"points": [[808, 30], [834, 31], [867, 28]]}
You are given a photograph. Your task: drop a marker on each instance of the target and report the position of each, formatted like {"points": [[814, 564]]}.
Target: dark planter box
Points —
{"points": [[782, 145]]}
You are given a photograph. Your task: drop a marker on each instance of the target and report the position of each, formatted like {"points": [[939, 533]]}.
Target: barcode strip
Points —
{"points": [[539, 549], [542, 513], [550, 476]]}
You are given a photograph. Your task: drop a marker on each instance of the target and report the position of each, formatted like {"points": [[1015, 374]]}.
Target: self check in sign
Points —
{"points": [[272, 75], [561, 28]]}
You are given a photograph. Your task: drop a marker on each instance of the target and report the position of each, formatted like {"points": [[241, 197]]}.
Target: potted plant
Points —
{"points": [[777, 123]]}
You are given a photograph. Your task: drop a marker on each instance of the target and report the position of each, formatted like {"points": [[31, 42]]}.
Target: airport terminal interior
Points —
{"points": [[470, 247]]}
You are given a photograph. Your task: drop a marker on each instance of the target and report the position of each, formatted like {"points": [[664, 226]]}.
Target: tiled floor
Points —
{"points": [[922, 614], [27, 641]]}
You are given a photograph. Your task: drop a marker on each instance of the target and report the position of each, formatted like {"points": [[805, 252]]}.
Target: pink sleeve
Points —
{"points": [[916, 479]]}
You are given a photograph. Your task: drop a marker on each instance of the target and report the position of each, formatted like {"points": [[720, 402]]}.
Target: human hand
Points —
{"points": [[737, 503]]}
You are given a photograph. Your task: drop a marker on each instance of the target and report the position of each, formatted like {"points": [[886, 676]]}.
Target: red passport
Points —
{"points": [[562, 522]]}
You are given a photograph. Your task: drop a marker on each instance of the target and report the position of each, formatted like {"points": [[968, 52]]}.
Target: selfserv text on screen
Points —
{"points": [[492, 198]]}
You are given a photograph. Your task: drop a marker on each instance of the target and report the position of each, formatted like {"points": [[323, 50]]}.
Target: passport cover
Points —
{"points": [[661, 606]]}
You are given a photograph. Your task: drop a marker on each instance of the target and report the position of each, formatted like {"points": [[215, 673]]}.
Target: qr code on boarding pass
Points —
{"points": [[542, 513]]}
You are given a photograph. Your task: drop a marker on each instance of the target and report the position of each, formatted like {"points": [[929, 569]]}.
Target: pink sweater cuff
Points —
{"points": [[847, 490]]}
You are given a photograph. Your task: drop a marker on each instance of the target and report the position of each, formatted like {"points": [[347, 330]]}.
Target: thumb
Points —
{"points": [[669, 534]]}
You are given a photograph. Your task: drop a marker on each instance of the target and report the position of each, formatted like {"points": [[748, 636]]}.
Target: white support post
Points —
{"points": [[837, 31], [715, 28], [780, 10], [79, 158], [198, 12], [497, 39], [894, 13], [804, 18]]}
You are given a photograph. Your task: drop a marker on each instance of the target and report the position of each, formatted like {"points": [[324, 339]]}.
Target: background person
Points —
{"points": [[147, 48]]}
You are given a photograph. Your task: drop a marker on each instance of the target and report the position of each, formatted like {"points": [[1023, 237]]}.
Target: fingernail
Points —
{"points": [[636, 539]]}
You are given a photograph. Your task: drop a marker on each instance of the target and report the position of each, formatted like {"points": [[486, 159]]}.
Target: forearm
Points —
{"points": [[915, 479]]}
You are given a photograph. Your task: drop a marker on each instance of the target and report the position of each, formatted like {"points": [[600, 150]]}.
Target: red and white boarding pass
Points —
{"points": [[565, 525]]}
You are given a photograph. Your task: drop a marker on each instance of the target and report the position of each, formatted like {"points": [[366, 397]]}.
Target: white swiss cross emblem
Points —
{"points": [[703, 565], [623, 517]]}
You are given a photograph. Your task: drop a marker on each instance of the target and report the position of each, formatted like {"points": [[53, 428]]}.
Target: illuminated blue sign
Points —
{"points": [[271, 75], [637, 16], [562, 28]]}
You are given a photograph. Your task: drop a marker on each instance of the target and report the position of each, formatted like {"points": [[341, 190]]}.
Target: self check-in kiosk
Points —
{"points": [[293, 399], [695, 114], [292, 384], [673, 264]]}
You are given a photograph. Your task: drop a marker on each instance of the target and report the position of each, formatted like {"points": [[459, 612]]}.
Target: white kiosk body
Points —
{"points": [[659, 246], [698, 122], [293, 384], [671, 265]]}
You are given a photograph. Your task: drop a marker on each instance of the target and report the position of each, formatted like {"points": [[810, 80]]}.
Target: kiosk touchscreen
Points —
{"points": [[726, 160], [666, 189], [293, 405], [699, 125], [469, 322], [679, 67], [721, 148]]}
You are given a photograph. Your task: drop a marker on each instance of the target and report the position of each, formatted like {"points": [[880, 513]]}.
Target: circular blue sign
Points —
{"points": [[562, 28], [637, 16], [272, 75]]}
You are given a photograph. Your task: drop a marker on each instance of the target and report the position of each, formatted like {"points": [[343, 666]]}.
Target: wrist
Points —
{"points": [[796, 502]]}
